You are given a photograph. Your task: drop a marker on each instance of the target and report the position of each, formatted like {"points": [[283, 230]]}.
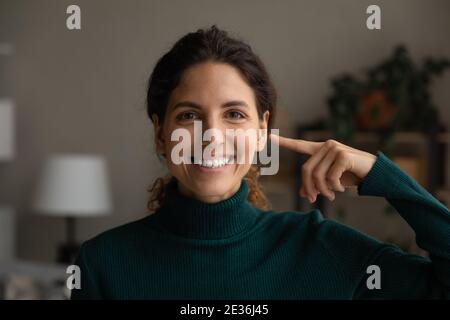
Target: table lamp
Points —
{"points": [[72, 186]]}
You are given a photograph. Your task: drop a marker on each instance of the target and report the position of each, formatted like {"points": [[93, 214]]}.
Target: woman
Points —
{"points": [[211, 235]]}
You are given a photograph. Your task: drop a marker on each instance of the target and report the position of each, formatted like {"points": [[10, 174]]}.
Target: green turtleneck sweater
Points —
{"points": [[230, 250]]}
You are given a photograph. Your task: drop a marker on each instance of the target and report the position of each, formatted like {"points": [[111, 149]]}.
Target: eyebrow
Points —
{"points": [[232, 103]]}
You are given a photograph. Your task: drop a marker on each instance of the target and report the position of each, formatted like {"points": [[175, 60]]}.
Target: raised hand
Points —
{"points": [[331, 167]]}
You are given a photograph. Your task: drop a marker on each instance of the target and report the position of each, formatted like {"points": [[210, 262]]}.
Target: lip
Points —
{"points": [[214, 158], [201, 169]]}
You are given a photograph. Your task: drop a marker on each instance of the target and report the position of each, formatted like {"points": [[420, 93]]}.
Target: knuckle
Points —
{"points": [[342, 155], [332, 177], [317, 175], [329, 176], [330, 143]]}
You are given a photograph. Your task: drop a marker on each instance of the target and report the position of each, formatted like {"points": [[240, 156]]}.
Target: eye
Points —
{"points": [[235, 115], [187, 116]]}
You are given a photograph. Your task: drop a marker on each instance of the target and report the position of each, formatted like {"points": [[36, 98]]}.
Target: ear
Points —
{"points": [[262, 132], [158, 135]]}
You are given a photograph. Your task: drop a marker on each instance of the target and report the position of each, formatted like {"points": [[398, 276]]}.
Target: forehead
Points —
{"points": [[212, 83]]}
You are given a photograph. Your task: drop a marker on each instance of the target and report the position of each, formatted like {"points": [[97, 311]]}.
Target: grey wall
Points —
{"points": [[84, 91]]}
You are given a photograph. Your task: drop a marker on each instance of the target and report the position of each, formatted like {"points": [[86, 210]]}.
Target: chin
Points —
{"points": [[207, 188], [215, 187]]}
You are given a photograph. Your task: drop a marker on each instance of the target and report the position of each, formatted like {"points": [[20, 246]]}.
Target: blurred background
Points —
{"points": [[76, 146]]}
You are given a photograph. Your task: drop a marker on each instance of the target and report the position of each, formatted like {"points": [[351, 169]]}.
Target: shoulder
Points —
{"points": [[340, 242], [114, 238], [327, 231]]}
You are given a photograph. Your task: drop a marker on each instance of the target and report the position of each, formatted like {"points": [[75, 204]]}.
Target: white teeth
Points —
{"points": [[216, 163]]}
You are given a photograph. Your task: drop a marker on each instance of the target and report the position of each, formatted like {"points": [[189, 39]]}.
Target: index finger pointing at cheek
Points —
{"points": [[297, 145]]}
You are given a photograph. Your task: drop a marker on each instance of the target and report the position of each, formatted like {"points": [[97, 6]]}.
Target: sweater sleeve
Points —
{"points": [[405, 275], [89, 284]]}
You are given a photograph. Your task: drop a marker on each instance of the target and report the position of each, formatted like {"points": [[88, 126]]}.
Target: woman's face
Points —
{"points": [[217, 95]]}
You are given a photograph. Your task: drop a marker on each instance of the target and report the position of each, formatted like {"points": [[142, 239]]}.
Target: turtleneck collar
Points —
{"points": [[192, 218]]}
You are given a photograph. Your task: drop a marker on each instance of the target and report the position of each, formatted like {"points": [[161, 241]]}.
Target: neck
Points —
{"points": [[192, 218], [208, 198]]}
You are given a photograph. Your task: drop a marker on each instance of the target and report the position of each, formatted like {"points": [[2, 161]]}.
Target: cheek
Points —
{"points": [[245, 146], [180, 146]]}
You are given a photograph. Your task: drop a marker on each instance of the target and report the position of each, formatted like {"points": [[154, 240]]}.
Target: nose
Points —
{"points": [[213, 132], [211, 121]]}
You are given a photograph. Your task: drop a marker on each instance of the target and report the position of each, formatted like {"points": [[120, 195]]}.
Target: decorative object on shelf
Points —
{"points": [[22, 287], [71, 186], [22, 279], [25, 287], [376, 112], [7, 150], [394, 96]]}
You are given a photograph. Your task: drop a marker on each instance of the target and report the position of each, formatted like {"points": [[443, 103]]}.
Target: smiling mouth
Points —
{"points": [[213, 163]]}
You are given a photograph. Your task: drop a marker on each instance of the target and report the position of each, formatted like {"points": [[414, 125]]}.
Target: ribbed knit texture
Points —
{"points": [[230, 250]]}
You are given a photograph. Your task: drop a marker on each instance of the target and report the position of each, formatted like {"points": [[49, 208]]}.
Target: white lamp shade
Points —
{"points": [[6, 129], [74, 185]]}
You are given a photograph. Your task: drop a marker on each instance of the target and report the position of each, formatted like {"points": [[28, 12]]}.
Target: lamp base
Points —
{"points": [[67, 253]]}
